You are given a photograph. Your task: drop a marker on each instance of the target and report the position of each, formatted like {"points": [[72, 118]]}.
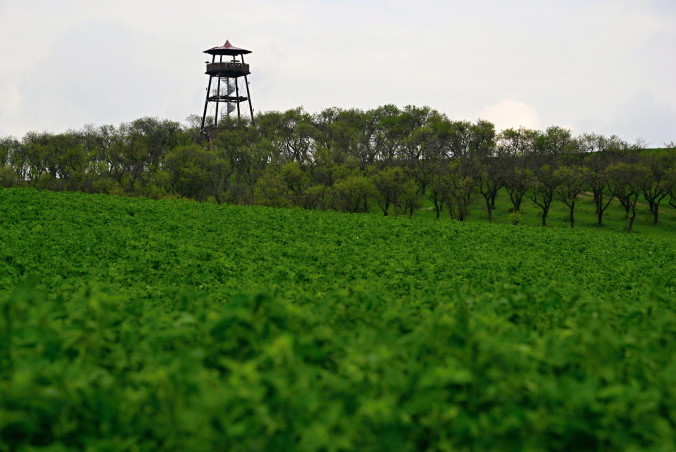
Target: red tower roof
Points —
{"points": [[227, 49]]}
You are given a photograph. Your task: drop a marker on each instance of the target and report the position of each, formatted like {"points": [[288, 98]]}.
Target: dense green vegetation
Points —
{"points": [[614, 217], [132, 324], [388, 160]]}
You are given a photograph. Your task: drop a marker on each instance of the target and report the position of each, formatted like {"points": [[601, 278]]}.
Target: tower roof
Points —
{"points": [[227, 49]]}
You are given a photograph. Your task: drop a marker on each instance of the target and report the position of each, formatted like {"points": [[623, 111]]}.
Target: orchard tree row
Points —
{"points": [[348, 160]]}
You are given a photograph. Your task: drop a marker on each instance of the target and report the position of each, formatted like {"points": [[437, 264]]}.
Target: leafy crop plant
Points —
{"points": [[129, 324]]}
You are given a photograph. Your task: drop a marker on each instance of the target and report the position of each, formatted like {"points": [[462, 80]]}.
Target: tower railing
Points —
{"points": [[229, 66]]}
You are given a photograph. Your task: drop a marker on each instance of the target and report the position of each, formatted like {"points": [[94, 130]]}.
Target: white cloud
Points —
{"points": [[512, 114]]}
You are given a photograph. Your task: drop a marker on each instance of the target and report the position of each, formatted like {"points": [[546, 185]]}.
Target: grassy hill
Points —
{"points": [[130, 324]]}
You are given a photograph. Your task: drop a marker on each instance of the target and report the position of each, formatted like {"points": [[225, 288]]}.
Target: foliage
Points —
{"points": [[130, 324], [297, 159]]}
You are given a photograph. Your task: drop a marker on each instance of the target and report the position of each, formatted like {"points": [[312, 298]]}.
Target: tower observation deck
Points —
{"points": [[224, 86]]}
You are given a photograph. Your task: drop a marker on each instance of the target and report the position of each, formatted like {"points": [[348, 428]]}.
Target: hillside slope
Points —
{"points": [[137, 324]]}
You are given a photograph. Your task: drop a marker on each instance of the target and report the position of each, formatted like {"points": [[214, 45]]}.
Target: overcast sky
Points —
{"points": [[605, 66]]}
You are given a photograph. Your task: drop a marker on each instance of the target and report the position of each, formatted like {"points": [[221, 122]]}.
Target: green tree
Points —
{"points": [[543, 185], [390, 132], [352, 193], [626, 180], [489, 177], [513, 147], [348, 133], [654, 186], [517, 142], [295, 180], [482, 139], [146, 141], [291, 132], [10, 151], [409, 199], [390, 184], [195, 172], [454, 138], [435, 190], [38, 157], [455, 186], [422, 150], [555, 141], [600, 153], [669, 184], [316, 197], [516, 182], [271, 190], [570, 182]]}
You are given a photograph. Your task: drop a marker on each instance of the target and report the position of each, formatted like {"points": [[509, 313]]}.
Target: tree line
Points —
{"points": [[347, 159]]}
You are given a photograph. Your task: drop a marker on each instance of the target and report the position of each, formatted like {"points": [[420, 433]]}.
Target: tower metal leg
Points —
{"points": [[206, 103], [248, 95], [237, 94]]}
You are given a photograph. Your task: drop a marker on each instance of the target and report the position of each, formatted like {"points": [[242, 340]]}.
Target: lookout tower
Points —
{"points": [[224, 88]]}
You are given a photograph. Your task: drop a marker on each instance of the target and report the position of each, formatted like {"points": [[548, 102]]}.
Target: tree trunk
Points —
{"points": [[572, 214], [602, 208], [630, 225], [461, 213], [651, 205], [489, 209], [625, 203], [657, 207], [545, 211], [516, 197], [598, 204]]}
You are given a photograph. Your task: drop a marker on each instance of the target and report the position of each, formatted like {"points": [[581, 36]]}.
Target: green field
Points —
{"points": [[614, 219], [131, 324]]}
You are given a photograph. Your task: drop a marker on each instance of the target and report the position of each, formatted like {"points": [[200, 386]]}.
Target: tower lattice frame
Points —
{"points": [[226, 88]]}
